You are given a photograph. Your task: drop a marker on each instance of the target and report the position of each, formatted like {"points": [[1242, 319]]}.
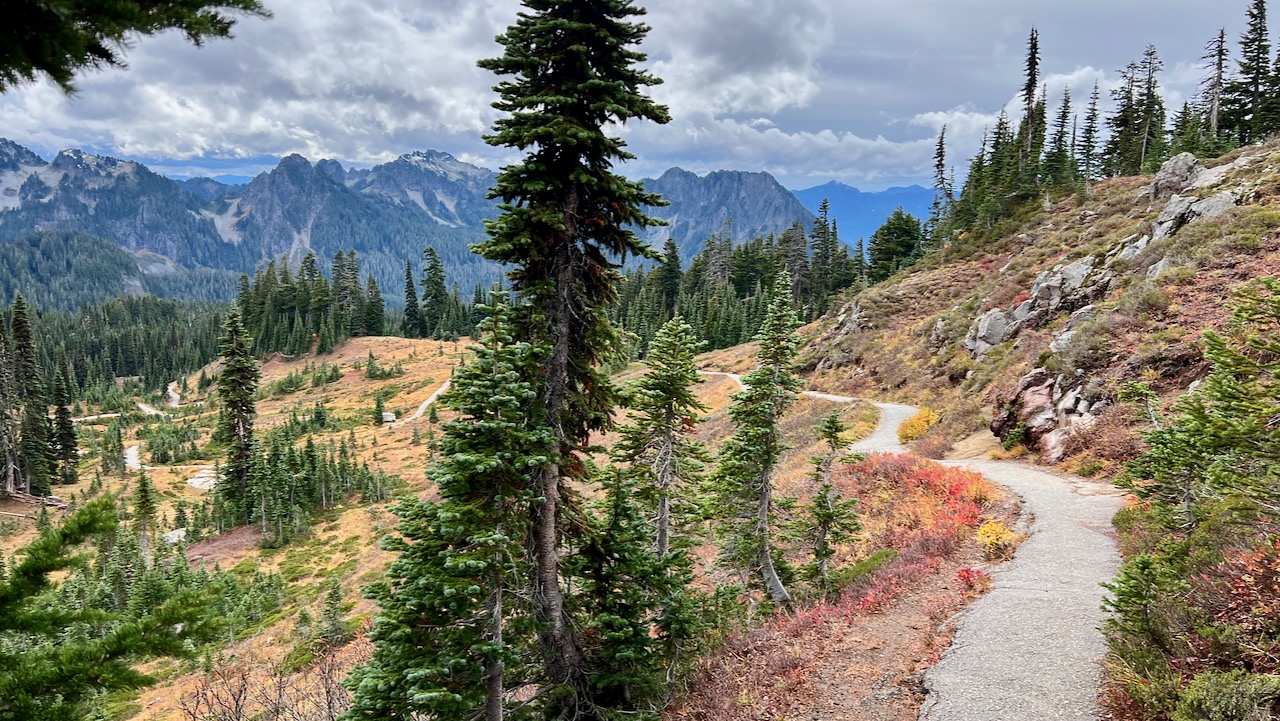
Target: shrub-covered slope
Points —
{"points": [[1064, 326]]}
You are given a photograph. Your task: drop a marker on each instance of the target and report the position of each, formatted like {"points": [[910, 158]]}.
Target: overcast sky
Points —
{"points": [[811, 91]]}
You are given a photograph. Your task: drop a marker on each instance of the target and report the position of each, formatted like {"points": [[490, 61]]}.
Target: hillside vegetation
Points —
{"points": [[1118, 334]]}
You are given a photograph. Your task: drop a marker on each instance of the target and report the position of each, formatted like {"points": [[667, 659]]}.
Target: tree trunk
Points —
{"points": [[664, 462], [561, 655], [769, 574], [493, 676]]}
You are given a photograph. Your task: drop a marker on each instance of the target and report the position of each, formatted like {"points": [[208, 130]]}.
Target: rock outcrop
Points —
{"points": [[1063, 288], [1048, 410], [1177, 173]]}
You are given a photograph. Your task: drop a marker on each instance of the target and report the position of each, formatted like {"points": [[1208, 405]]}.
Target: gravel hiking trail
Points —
{"points": [[1031, 648]]}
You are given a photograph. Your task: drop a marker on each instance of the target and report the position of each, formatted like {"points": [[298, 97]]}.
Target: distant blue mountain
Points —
{"points": [[859, 214]]}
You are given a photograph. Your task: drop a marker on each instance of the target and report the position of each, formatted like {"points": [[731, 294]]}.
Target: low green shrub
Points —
{"points": [[1230, 696]]}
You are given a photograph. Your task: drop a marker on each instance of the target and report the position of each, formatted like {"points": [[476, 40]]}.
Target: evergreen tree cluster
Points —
{"points": [[287, 312], [438, 312], [36, 451], [724, 292], [1020, 162], [143, 339], [272, 482]]}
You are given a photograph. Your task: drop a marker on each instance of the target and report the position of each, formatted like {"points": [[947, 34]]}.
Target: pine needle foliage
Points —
{"points": [[452, 631], [743, 480], [569, 70], [237, 385], [57, 38], [656, 444]]}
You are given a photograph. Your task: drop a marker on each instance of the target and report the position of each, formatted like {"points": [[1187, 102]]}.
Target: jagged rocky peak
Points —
{"points": [[333, 169], [14, 156], [756, 203]]}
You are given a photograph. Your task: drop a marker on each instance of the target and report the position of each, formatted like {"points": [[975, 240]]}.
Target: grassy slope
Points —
{"points": [[1146, 331], [342, 543]]}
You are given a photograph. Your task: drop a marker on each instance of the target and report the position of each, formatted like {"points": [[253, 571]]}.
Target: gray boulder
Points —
{"points": [[1216, 204], [1175, 175], [988, 331]]}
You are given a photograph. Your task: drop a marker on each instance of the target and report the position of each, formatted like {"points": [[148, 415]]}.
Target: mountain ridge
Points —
{"points": [[387, 213]]}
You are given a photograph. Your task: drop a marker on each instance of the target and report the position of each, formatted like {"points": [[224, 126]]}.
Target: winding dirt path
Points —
{"points": [[1031, 648], [422, 407]]}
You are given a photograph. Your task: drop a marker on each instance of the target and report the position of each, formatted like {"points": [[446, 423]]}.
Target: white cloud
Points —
{"points": [[809, 89]]}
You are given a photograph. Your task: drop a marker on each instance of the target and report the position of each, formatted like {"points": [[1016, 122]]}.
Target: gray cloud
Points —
{"points": [[808, 89]]}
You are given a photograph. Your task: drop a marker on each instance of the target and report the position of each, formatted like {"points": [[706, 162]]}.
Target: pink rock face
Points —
{"points": [[1036, 409], [1053, 445]]}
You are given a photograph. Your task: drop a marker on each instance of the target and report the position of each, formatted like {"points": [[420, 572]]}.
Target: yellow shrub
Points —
{"points": [[916, 425], [997, 541]]}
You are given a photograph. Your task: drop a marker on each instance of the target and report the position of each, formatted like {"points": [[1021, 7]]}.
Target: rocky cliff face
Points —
{"points": [[387, 213], [754, 203]]}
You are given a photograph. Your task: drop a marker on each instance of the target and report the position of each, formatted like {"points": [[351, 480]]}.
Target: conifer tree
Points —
{"points": [[36, 458], [332, 631], [1246, 93], [656, 442], [829, 519], [454, 629], [10, 470], [237, 385], [1154, 143], [1088, 151], [113, 450], [144, 511], [1059, 166], [895, 244], [744, 472], [1213, 87], [412, 325], [667, 277], [1222, 442], [940, 211], [570, 70], [1028, 150], [64, 431], [435, 295]]}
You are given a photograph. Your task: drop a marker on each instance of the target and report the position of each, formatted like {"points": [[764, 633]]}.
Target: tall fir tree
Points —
{"points": [[1089, 136], [667, 277], [412, 324], [10, 406], [656, 443], [435, 294], [64, 431], [940, 212], [1059, 165], [829, 520], [455, 630], [1028, 150], [1213, 87], [36, 457], [1246, 93], [237, 387], [743, 479], [569, 70]]}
